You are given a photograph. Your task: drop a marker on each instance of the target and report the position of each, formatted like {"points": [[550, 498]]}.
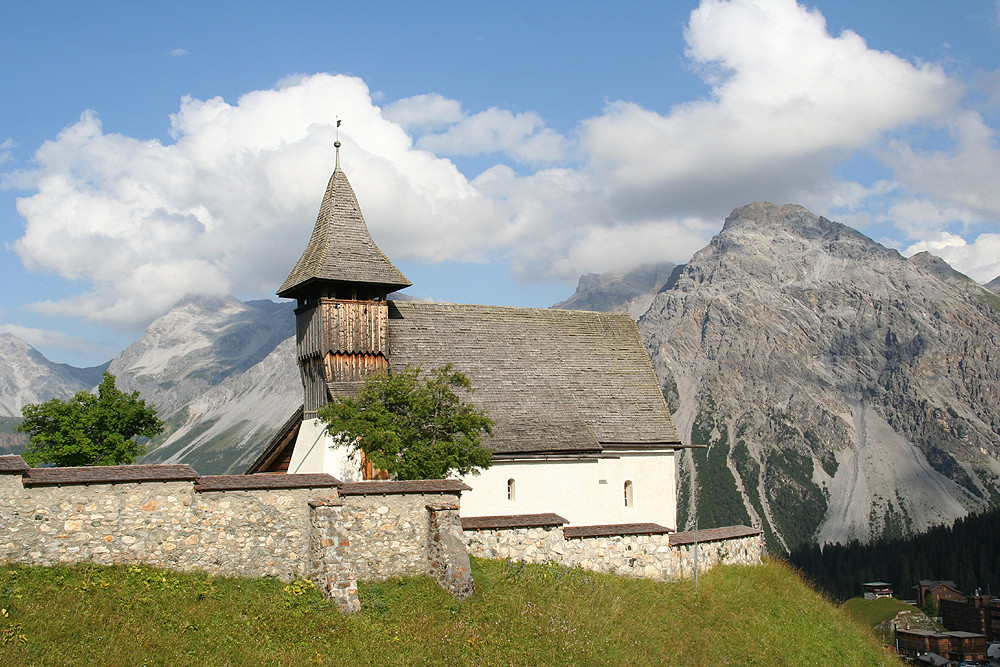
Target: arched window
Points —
{"points": [[511, 493], [628, 493]]}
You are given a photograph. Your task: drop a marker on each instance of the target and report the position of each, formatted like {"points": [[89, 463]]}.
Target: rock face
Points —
{"points": [[842, 391], [623, 292], [223, 430], [220, 372], [198, 344], [214, 369], [28, 377]]}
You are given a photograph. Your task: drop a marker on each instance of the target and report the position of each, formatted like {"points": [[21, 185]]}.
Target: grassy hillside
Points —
{"points": [[873, 612], [520, 615]]}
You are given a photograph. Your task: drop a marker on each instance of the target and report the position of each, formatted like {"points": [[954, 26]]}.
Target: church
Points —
{"points": [[581, 428]]}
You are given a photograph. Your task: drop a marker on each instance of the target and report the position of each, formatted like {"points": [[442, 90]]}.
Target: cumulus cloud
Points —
{"points": [[424, 113], [952, 184], [980, 260], [447, 130], [228, 206], [788, 100]]}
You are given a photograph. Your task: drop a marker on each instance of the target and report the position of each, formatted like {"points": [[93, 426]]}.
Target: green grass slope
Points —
{"points": [[534, 615], [873, 612]]}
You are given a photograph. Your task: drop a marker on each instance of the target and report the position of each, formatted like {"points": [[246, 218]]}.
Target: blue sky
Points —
{"points": [[153, 150]]}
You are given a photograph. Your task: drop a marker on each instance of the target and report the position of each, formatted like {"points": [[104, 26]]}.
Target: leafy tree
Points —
{"points": [[930, 606], [413, 425], [88, 429]]}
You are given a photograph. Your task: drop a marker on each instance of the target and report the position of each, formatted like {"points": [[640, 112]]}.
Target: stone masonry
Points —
{"points": [[445, 542], [316, 527], [638, 550], [284, 526]]}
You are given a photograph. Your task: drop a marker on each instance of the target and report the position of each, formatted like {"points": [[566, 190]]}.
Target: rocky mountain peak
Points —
{"points": [[937, 267], [26, 376], [197, 344], [621, 291], [763, 227], [784, 245], [830, 378]]}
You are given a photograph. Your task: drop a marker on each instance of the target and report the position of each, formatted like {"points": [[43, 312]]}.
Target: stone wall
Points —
{"points": [[314, 526], [284, 526], [639, 550]]}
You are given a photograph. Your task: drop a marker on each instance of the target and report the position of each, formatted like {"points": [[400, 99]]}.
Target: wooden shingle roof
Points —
{"points": [[341, 249], [552, 380]]}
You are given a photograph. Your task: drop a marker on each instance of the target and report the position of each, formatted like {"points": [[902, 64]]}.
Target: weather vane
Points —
{"points": [[336, 144]]}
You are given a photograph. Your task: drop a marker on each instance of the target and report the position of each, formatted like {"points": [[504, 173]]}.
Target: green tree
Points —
{"points": [[930, 606], [88, 429], [413, 425]]}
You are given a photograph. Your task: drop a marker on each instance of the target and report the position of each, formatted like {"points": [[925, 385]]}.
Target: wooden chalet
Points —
{"points": [[939, 589], [957, 646], [974, 613], [876, 589]]}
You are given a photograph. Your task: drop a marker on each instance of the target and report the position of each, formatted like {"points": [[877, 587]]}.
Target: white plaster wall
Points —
{"points": [[317, 451], [584, 491]]}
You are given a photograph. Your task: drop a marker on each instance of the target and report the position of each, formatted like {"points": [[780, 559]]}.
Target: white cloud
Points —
{"points": [[5, 150], [230, 205], [42, 338], [424, 113], [446, 130], [788, 100], [958, 181], [980, 260], [180, 53]]}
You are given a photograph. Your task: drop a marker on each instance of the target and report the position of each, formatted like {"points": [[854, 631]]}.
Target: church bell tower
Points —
{"points": [[340, 283]]}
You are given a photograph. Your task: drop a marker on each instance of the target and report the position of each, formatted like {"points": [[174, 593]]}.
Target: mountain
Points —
{"points": [[224, 429], [26, 376], [993, 285], [198, 344], [622, 292], [213, 368], [842, 391], [220, 372]]}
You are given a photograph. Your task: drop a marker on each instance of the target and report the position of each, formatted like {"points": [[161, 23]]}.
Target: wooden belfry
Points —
{"points": [[340, 282]]}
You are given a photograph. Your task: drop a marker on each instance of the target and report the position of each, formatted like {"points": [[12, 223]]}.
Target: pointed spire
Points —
{"points": [[341, 250]]}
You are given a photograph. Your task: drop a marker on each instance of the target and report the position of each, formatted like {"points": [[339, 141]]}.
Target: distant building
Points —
{"points": [[877, 589], [939, 589], [974, 613], [956, 646]]}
